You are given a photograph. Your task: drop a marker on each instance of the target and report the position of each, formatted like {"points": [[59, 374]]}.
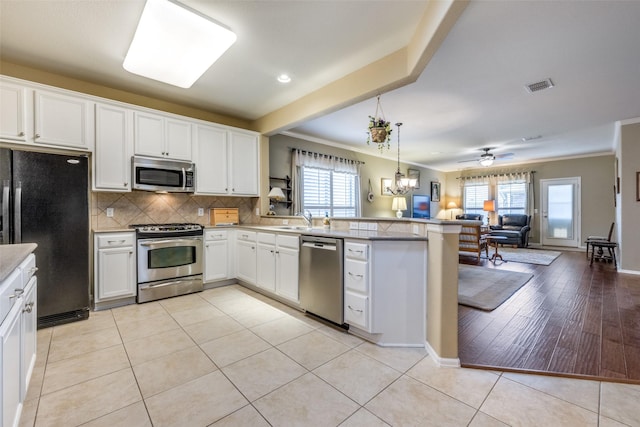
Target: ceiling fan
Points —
{"points": [[486, 159]]}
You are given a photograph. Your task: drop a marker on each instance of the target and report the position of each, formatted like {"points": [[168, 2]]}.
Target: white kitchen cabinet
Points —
{"points": [[216, 255], [162, 136], [385, 290], [17, 339], [246, 250], [229, 161], [63, 120], [244, 163], [115, 268], [13, 112], [211, 160], [277, 266], [114, 147]]}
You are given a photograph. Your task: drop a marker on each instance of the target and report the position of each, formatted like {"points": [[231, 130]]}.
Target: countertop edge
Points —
{"points": [[11, 256]]}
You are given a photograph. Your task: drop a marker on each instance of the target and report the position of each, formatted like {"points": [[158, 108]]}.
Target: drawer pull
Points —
{"points": [[359, 252], [360, 276], [28, 308], [111, 242], [17, 293], [353, 309], [33, 270]]}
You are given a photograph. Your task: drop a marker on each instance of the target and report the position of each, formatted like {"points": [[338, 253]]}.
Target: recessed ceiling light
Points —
{"points": [[175, 45], [284, 78]]}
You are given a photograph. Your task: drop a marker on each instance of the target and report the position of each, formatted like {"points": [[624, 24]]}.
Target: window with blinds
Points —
{"points": [[327, 191], [512, 198], [474, 197]]}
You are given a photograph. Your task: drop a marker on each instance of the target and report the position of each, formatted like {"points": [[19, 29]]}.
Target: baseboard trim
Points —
{"points": [[441, 362]]}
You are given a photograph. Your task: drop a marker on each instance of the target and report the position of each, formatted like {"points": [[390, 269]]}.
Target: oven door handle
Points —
{"points": [[162, 284], [172, 242], [184, 179]]}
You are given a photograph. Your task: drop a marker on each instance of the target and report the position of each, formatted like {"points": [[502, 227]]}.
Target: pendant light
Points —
{"points": [[401, 184]]}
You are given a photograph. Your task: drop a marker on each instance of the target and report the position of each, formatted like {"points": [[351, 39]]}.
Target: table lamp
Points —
{"points": [[489, 206], [399, 204], [276, 194], [452, 205]]}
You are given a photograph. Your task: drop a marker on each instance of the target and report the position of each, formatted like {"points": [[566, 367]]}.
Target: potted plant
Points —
{"points": [[379, 132]]}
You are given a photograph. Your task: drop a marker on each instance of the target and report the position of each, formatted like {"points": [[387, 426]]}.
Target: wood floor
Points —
{"points": [[570, 318]]}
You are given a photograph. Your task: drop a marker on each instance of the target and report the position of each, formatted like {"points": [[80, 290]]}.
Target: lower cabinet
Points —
{"points": [[277, 264], [385, 290], [216, 255], [246, 256], [17, 338], [115, 267]]}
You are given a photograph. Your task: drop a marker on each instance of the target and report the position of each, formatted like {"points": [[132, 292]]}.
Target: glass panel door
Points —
{"points": [[560, 212]]}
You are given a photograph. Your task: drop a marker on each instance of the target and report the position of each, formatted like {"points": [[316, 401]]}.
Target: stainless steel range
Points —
{"points": [[169, 260]]}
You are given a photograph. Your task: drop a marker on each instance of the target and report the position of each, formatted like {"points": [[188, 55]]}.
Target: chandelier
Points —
{"points": [[401, 184]]}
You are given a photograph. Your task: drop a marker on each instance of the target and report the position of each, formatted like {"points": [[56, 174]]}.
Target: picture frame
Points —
{"points": [[435, 191], [414, 174], [385, 184]]}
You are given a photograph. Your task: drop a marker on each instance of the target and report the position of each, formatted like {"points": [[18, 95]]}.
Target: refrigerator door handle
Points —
{"points": [[5, 213], [17, 210]]}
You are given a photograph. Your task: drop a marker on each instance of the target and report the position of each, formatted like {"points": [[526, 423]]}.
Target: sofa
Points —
{"points": [[472, 217], [515, 227]]}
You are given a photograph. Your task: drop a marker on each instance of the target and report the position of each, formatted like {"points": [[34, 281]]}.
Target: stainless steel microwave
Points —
{"points": [[163, 175]]}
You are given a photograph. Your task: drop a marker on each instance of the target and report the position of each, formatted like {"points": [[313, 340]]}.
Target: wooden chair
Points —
{"points": [[592, 239], [472, 240]]}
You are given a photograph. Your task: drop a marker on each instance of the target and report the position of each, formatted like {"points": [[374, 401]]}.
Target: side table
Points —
{"points": [[496, 241]]}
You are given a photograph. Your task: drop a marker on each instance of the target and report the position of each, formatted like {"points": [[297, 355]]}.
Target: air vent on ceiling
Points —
{"points": [[538, 86]]}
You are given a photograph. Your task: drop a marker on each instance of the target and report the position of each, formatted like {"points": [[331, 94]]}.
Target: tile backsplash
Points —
{"points": [[142, 207]]}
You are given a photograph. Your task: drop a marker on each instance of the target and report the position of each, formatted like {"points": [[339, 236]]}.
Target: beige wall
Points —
{"points": [[629, 206], [597, 177], [374, 169]]}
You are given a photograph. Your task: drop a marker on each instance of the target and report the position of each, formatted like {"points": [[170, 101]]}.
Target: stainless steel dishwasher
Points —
{"points": [[321, 277]]}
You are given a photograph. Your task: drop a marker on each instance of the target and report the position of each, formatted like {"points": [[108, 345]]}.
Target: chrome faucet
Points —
{"points": [[307, 217]]}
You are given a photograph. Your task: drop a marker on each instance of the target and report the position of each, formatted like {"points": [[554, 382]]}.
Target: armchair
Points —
{"points": [[515, 227]]}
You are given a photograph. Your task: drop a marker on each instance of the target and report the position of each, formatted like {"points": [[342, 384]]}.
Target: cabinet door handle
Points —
{"points": [[21, 134], [353, 309], [17, 293], [125, 184], [37, 135], [28, 308], [355, 275], [33, 270]]}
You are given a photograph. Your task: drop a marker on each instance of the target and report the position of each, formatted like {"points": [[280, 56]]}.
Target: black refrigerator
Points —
{"points": [[45, 200]]}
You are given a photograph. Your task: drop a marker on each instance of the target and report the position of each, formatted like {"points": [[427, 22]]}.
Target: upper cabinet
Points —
{"points": [[114, 147], [13, 112], [161, 136], [227, 161], [31, 115], [63, 120]]}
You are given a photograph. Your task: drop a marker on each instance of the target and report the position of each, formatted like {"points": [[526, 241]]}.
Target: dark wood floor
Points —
{"points": [[570, 318]]}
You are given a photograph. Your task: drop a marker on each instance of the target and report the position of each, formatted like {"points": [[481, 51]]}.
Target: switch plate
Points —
{"points": [[110, 212], [258, 211], [200, 211], [415, 229], [285, 221]]}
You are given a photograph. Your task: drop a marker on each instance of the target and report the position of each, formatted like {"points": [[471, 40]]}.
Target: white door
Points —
{"points": [[216, 260], [560, 221], [287, 273], [112, 159]]}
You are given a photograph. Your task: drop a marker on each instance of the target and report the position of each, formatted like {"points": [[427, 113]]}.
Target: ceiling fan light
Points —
{"points": [[486, 161], [175, 45]]}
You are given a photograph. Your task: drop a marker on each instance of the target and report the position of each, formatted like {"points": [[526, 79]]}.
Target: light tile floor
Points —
{"points": [[232, 357]]}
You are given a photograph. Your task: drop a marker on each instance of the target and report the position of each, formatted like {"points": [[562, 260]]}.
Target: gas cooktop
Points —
{"points": [[165, 228]]}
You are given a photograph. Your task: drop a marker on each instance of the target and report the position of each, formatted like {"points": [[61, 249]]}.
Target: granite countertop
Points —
{"points": [[12, 255], [342, 234]]}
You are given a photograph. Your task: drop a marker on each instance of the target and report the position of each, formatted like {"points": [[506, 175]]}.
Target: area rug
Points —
{"points": [[487, 288], [527, 256]]}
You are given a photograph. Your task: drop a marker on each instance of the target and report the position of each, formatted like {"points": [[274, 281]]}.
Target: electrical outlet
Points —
{"points": [[110, 212], [200, 211], [373, 226], [257, 211], [353, 226], [285, 221], [416, 229]]}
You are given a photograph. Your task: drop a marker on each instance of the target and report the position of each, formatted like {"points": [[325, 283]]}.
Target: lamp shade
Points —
{"points": [[489, 206], [276, 194], [452, 205], [399, 204]]}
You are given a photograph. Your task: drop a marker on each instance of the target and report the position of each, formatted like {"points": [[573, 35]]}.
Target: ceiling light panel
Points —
{"points": [[175, 45]]}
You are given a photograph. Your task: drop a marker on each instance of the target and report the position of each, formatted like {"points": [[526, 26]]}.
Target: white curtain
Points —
{"points": [[493, 180], [300, 158]]}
